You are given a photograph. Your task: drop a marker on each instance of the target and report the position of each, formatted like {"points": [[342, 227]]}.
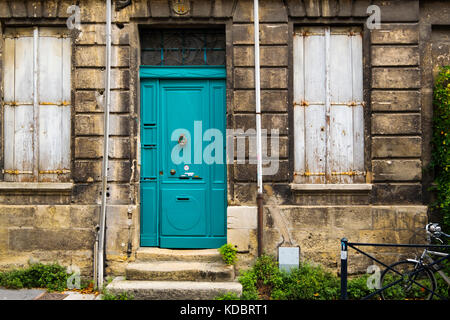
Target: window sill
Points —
{"points": [[331, 194], [37, 186], [331, 187]]}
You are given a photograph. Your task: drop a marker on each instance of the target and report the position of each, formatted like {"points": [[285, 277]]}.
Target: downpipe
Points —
{"points": [[97, 234], [259, 196], [102, 224]]}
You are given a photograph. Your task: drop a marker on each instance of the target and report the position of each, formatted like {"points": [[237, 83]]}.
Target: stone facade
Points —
{"points": [[50, 222]]}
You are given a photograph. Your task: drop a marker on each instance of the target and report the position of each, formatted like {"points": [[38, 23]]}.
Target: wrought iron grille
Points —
{"points": [[183, 47]]}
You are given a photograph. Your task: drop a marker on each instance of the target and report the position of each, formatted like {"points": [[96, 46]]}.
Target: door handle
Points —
{"points": [[183, 198]]}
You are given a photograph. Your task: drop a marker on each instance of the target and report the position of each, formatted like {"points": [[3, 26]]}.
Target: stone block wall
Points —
{"points": [[396, 125], [397, 116], [47, 223], [47, 233]]}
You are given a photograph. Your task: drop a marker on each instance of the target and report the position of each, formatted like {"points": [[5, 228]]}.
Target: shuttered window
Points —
{"points": [[328, 105], [36, 104]]}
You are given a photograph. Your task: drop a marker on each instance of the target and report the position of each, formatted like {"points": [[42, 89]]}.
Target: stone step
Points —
{"points": [[160, 254], [173, 290], [179, 271]]}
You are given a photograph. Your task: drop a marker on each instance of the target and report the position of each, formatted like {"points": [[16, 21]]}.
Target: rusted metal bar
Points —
{"points": [[345, 173], [61, 103], [312, 174], [304, 103], [349, 173], [56, 171], [8, 171]]}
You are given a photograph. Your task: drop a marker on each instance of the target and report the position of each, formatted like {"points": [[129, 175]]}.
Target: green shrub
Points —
{"points": [[357, 287], [440, 157], [106, 295], [248, 282], [229, 253], [259, 281], [265, 281], [37, 275], [228, 296], [443, 288], [308, 282]]}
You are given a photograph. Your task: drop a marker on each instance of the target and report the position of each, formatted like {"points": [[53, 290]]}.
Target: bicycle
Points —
{"points": [[414, 278]]}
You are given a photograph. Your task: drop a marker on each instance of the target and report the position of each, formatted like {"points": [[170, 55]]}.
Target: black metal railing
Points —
{"points": [[345, 244]]}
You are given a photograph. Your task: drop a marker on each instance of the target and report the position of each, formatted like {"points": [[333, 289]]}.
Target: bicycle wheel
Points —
{"points": [[413, 282]]}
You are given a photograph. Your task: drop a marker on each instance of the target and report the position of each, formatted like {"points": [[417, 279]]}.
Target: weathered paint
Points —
{"points": [[38, 116], [328, 98]]}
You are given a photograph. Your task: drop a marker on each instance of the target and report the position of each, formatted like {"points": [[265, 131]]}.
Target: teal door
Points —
{"points": [[183, 169]]}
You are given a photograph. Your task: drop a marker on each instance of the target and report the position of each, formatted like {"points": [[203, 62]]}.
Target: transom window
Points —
{"points": [[182, 47]]}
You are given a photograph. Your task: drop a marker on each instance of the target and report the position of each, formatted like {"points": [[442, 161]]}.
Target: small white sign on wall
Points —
{"points": [[288, 258]]}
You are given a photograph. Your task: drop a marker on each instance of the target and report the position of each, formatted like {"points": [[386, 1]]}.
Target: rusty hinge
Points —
{"points": [[307, 173], [356, 103], [303, 103], [63, 103], [349, 173], [9, 171], [10, 103], [57, 171]]}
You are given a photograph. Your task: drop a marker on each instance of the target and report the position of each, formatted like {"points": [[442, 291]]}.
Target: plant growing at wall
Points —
{"points": [[106, 295], [229, 253], [308, 282], [37, 275], [440, 161]]}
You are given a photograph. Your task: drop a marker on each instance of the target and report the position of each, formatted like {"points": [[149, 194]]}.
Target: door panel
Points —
{"points": [[183, 211], [184, 107], [185, 203]]}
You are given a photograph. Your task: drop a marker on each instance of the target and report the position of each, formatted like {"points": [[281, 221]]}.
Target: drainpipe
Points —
{"points": [[259, 196], [101, 243]]}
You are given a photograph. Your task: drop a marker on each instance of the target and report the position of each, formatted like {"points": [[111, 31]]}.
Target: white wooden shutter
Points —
{"points": [[18, 106], [328, 115], [54, 105], [37, 105]]}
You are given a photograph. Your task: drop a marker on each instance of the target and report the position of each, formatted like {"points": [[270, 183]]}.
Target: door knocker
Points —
{"points": [[182, 140]]}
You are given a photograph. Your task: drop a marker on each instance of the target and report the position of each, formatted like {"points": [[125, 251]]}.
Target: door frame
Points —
{"points": [[175, 73]]}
